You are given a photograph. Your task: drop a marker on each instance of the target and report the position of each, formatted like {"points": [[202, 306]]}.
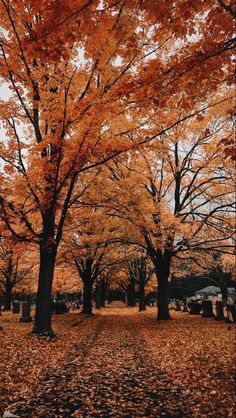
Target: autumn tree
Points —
{"points": [[177, 197], [137, 274], [62, 117], [16, 269], [88, 269], [105, 281], [144, 274], [219, 275], [128, 284], [86, 247], [89, 244]]}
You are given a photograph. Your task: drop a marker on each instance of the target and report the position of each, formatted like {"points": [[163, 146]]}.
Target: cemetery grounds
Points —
{"points": [[118, 363]]}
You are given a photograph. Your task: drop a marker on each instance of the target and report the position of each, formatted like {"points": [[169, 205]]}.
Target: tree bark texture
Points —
{"points": [[42, 324], [142, 306], [87, 296], [131, 292], [103, 293], [163, 299], [162, 273], [8, 296]]}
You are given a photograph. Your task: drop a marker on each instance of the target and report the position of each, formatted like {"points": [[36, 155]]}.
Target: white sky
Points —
{"points": [[5, 93]]}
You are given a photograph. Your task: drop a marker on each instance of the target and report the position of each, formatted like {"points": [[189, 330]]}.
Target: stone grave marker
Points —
{"points": [[16, 307], [60, 308], [185, 306], [25, 315], [219, 311], [195, 308], [177, 305], [207, 310]]}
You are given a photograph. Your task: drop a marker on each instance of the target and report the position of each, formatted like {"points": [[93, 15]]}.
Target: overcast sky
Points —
{"points": [[4, 92]]}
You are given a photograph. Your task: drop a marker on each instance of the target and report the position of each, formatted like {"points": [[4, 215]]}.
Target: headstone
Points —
{"points": [[232, 313], [219, 311], [60, 308], [25, 315], [177, 305], [207, 311], [195, 308], [185, 306], [16, 307]]}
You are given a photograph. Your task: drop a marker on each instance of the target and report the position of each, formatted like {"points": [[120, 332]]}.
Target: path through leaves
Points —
{"points": [[122, 364]]}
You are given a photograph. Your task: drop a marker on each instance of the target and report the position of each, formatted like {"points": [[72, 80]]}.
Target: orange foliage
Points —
{"points": [[89, 80]]}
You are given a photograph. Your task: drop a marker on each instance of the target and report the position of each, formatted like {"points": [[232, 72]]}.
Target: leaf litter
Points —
{"points": [[119, 363]]}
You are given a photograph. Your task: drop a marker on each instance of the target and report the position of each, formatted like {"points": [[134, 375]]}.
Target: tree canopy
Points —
{"points": [[95, 85]]}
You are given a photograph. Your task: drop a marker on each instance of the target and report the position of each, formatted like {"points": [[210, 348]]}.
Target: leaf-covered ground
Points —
{"points": [[119, 363]]}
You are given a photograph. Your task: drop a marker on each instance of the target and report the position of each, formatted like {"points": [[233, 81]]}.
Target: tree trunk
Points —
{"points": [[131, 292], [103, 293], [224, 292], [142, 306], [162, 263], [163, 298], [98, 296], [42, 324], [87, 296], [8, 296]]}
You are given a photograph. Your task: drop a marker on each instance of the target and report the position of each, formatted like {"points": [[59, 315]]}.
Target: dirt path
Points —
{"points": [[110, 373]]}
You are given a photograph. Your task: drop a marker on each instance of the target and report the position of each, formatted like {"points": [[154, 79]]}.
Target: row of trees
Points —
{"points": [[16, 271], [116, 110]]}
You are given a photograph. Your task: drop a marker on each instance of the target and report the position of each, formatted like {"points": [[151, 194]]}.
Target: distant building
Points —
{"points": [[211, 292], [208, 291]]}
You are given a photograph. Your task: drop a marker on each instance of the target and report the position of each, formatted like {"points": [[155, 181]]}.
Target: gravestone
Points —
{"points": [[195, 308], [177, 305], [16, 307], [60, 308], [25, 315], [207, 310], [232, 313], [185, 306], [77, 304], [219, 311]]}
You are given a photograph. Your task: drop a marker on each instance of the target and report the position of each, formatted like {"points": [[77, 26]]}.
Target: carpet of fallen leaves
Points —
{"points": [[118, 363]]}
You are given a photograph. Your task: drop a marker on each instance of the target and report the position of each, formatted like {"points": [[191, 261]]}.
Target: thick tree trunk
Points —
{"points": [[163, 297], [131, 292], [162, 263], [87, 296], [142, 306], [42, 324], [8, 297]]}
